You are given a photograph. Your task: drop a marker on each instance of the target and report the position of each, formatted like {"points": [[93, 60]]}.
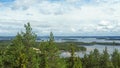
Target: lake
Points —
{"points": [[91, 48]]}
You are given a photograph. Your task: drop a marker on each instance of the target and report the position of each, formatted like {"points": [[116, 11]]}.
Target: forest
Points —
{"points": [[24, 52]]}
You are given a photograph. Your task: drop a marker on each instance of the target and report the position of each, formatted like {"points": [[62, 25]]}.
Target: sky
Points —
{"points": [[62, 17]]}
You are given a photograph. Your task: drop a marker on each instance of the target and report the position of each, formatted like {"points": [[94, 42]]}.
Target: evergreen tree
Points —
{"points": [[96, 57], [92, 60], [73, 61], [116, 59], [21, 54], [51, 53], [105, 60], [29, 38], [85, 61]]}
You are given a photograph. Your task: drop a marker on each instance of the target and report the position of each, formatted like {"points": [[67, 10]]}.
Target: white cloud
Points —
{"points": [[104, 23], [73, 17]]}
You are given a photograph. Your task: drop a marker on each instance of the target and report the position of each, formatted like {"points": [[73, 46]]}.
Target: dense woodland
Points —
{"points": [[24, 52]]}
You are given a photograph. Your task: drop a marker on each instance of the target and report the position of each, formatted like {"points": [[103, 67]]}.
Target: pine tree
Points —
{"points": [[72, 58], [29, 38], [20, 54], [73, 61], [105, 60], [96, 56], [85, 61], [116, 58], [92, 60], [51, 51]]}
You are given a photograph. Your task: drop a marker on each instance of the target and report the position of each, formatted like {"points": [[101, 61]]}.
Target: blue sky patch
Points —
{"points": [[6, 1]]}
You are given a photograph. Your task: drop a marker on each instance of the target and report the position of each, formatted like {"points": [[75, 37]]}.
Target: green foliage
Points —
{"points": [[20, 54], [105, 61], [66, 46], [50, 53], [116, 59], [29, 38], [73, 61]]}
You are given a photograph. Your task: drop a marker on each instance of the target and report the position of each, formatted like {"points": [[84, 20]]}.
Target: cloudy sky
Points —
{"points": [[62, 17]]}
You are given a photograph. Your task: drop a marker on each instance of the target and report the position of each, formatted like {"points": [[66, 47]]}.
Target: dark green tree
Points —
{"points": [[105, 60], [29, 37], [73, 60], [96, 56], [51, 53], [20, 53], [92, 60], [84, 61], [116, 59]]}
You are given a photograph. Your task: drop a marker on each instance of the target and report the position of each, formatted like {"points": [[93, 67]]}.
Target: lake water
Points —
{"points": [[91, 48], [102, 47]]}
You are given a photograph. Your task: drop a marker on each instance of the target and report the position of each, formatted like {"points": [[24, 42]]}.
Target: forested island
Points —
{"points": [[24, 52]]}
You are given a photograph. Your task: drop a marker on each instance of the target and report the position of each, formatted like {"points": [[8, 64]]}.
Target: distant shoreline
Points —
{"points": [[77, 43], [67, 37]]}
